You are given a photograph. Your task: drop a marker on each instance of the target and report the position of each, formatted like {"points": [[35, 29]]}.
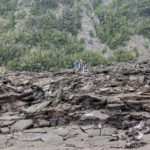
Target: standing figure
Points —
{"points": [[82, 66], [76, 65]]}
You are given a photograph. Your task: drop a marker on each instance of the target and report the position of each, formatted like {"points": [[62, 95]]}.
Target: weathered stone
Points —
{"points": [[107, 131], [21, 125], [53, 122], [6, 123], [61, 121], [4, 130], [9, 117], [63, 132], [43, 123], [95, 115], [93, 132], [3, 141], [46, 88], [87, 87], [36, 107], [20, 89], [52, 139], [133, 78], [141, 79], [115, 100], [105, 89]]}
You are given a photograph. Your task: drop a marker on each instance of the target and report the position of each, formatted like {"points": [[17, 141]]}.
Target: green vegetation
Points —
{"points": [[146, 45], [121, 19], [91, 33], [35, 36], [104, 50], [124, 56], [42, 42]]}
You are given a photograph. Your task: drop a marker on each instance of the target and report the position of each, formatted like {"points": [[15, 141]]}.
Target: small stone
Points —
{"points": [[63, 132], [43, 123], [4, 130], [132, 78], [141, 79], [61, 122], [53, 122], [105, 89], [46, 88]]}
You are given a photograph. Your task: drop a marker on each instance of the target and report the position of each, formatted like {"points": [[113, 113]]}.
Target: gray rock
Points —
{"points": [[141, 79], [3, 141], [132, 78], [21, 125], [107, 131], [93, 132], [63, 132], [4, 130], [6, 123], [52, 139], [36, 107], [95, 115], [46, 88], [105, 89]]}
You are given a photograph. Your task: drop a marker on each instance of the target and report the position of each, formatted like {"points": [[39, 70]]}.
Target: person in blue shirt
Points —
{"points": [[76, 65], [82, 66]]}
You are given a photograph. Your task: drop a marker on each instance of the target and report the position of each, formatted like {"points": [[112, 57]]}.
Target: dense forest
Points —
{"points": [[38, 35]]}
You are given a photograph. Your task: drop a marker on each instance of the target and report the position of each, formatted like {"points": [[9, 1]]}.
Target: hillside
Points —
{"points": [[38, 35]]}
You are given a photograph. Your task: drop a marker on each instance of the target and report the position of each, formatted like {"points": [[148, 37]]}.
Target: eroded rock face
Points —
{"points": [[113, 95]]}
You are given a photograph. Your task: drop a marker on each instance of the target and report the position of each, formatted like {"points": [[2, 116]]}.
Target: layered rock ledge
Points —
{"points": [[115, 96]]}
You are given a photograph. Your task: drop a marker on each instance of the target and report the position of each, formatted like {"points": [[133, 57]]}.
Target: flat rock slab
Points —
{"points": [[107, 131], [93, 132], [3, 141], [94, 115], [10, 118], [21, 125], [4, 130], [36, 107], [52, 139]]}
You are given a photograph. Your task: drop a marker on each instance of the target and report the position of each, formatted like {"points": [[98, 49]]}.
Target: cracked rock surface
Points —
{"points": [[68, 110]]}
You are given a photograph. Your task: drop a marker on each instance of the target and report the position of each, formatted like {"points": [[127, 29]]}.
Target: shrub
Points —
{"points": [[91, 33], [104, 50]]}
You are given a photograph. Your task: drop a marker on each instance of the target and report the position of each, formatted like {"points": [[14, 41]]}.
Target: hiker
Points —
{"points": [[82, 66], [76, 65]]}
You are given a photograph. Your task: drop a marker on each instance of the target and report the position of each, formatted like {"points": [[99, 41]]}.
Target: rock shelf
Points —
{"points": [[105, 99]]}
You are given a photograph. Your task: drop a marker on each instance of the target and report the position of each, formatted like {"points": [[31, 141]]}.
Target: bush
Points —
{"points": [[146, 45], [21, 15], [104, 50], [91, 33]]}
